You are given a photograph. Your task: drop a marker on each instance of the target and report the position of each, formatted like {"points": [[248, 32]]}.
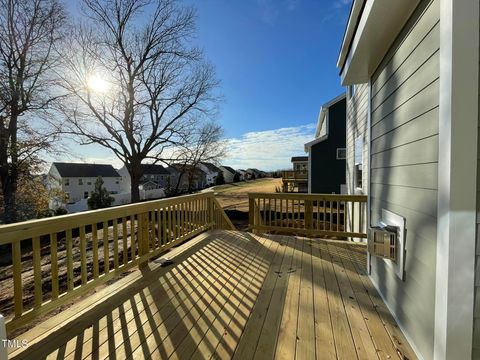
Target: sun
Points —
{"points": [[97, 84]]}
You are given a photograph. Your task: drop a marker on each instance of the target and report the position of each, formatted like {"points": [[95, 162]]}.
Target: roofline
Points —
{"points": [[308, 145], [323, 112], [352, 24]]}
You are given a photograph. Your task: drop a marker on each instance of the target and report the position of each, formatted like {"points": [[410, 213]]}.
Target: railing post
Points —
{"points": [[143, 236], [308, 215], [251, 214], [211, 211]]}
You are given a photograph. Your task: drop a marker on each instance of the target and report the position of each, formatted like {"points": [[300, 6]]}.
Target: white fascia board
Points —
{"points": [[379, 25], [355, 13]]}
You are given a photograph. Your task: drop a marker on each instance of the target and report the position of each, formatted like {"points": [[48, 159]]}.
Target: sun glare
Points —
{"points": [[97, 84]]}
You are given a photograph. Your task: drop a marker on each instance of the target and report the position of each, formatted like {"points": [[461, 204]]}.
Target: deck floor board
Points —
{"points": [[233, 295]]}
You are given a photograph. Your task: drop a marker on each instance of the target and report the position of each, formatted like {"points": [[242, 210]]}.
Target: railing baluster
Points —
{"points": [[83, 255], [133, 236], [125, 240], [37, 270], [95, 250], [115, 244], [106, 248], [69, 259], [54, 264], [17, 278]]}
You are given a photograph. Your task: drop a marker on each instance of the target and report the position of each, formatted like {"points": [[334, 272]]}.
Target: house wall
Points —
{"points": [[227, 175], [404, 169], [327, 172], [76, 191]]}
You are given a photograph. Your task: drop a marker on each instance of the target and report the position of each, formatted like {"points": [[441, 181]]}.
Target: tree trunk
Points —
{"points": [[135, 171], [9, 199]]}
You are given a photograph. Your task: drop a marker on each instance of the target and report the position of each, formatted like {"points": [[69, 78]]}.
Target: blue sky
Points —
{"points": [[276, 63]]}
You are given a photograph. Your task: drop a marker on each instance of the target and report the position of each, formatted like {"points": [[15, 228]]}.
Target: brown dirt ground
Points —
{"points": [[235, 196]]}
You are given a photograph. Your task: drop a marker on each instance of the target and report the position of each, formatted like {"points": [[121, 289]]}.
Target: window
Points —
{"points": [[80, 181], [341, 153], [67, 182], [85, 194], [358, 162], [116, 182], [89, 183]]}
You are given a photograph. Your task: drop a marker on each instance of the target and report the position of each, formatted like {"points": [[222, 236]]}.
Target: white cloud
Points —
{"points": [[341, 3], [270, 149]]}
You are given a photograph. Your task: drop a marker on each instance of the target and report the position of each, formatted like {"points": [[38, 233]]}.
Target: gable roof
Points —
{"points": [[154, 169], [211, 167], [85, 170], [229, 169]]}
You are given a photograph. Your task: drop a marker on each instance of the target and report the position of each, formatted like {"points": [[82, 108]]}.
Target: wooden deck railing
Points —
{"points": [[53, 260], [340, 216], [291, 175]]}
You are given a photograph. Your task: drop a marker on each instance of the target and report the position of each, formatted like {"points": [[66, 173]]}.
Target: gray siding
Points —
{"points": [[357, 112], [404, 165], [476, 312]]}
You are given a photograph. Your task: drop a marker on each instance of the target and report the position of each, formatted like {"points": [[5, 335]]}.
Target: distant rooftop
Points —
{"points": [[154, 169], [85, 170], [299, 158]]}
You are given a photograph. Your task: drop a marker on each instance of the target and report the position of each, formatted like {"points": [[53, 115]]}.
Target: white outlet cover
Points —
{"points": [[390, 218]]}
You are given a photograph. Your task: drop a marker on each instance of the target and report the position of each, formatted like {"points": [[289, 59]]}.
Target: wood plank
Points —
{"points": [[95, 250], [54, 264], [267, 341], [106, 248], [69, 259], [83, 255], [344, 344], [364, 345], [248, 342], [324, 339], [287, 336], [305, 348], [17, 278], [37, 271], [234, 329]]}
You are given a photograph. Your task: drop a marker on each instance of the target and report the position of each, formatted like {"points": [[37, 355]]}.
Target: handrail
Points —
{"points": [[110, 241], [331, 215]]}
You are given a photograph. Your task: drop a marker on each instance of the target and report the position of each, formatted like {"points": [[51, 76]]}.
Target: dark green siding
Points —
{"points": [[328, 173]]}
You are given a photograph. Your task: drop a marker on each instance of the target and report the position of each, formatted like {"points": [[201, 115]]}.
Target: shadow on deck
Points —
{"points": [[232, 295]]}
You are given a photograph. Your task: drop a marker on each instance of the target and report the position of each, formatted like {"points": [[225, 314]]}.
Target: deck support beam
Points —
{"points": [[457, 174]]}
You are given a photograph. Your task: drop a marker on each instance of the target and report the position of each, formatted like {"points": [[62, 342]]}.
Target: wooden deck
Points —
{"points": [[231, 295]]}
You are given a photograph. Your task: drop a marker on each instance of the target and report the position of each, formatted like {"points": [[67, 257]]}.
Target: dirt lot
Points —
{"points": [[235, 196]]}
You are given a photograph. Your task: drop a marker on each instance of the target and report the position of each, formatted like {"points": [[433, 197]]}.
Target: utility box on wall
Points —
{"points": [[387, 241]]}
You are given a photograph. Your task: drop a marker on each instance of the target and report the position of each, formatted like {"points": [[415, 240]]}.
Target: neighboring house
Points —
{"points": [[241, 174], [154, 177], [326, 154], [296, 180], [187, 177], [412, 68], [211, 172], [252, 172], [228, 173], [77, 180]]}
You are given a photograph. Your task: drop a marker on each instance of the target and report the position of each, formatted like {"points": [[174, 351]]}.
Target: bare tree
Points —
{"points": [[29, 31], [203, 144], [136, 82]]}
